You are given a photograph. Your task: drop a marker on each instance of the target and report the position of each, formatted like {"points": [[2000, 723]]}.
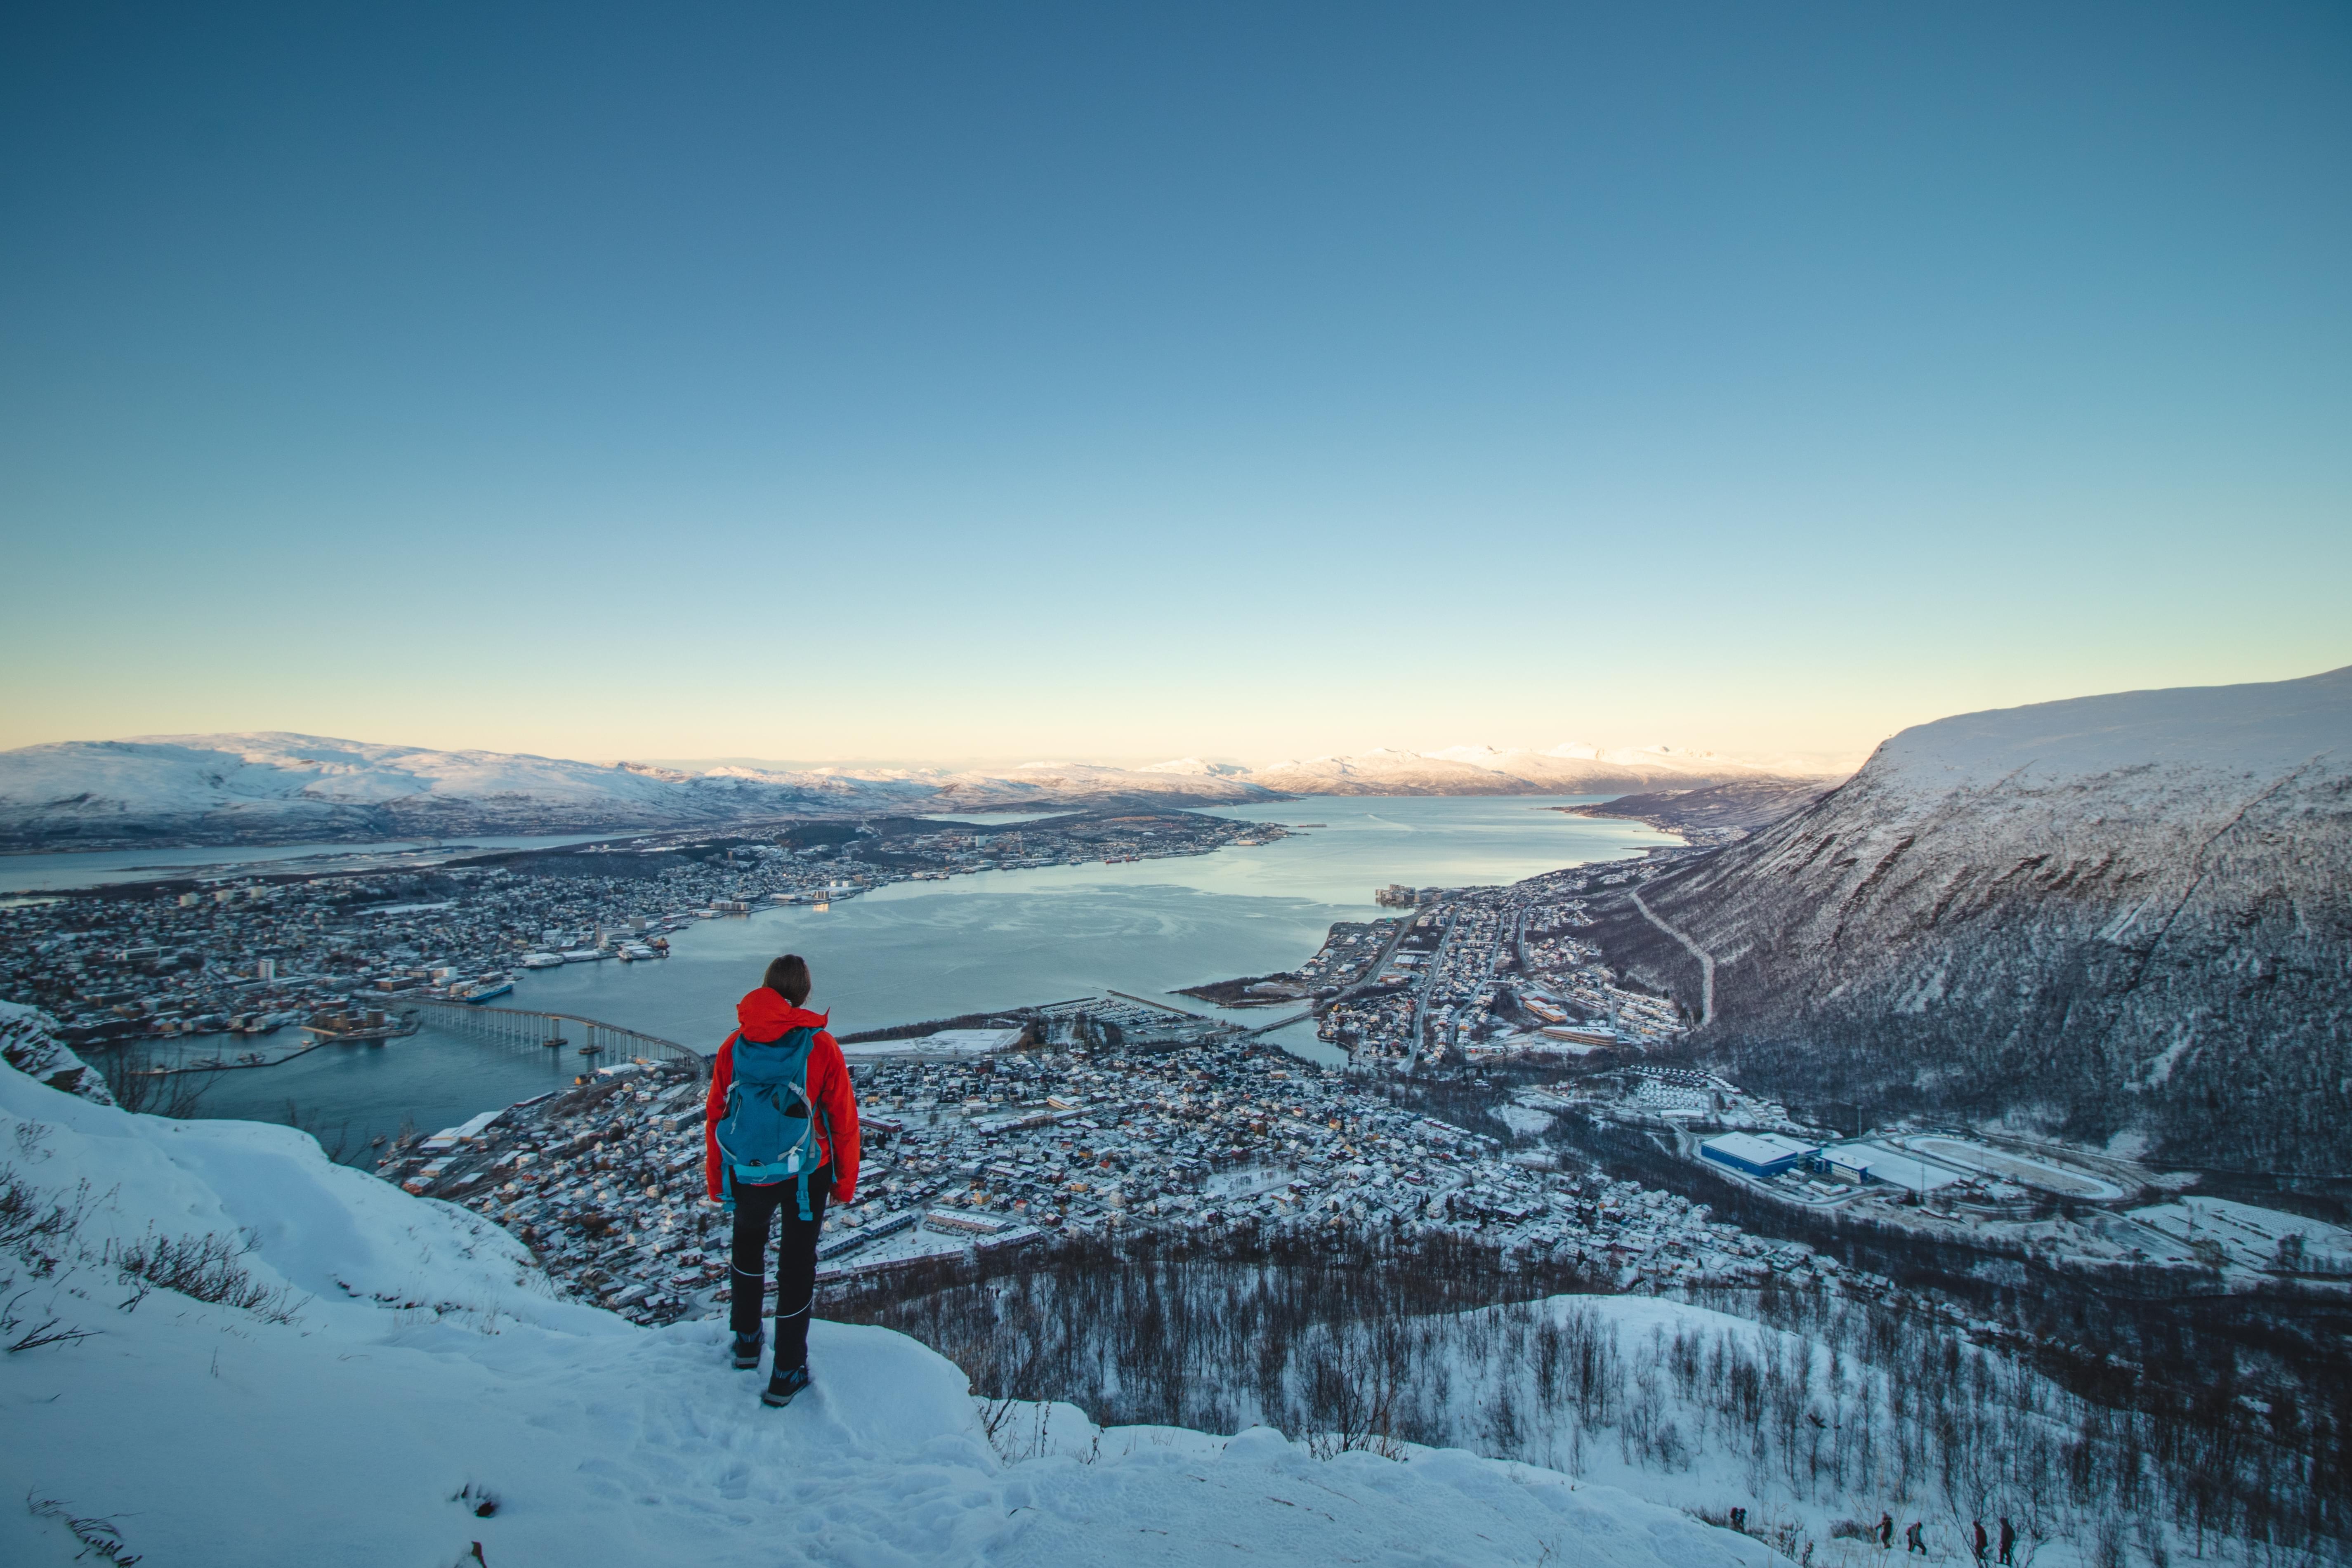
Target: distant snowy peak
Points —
{"points": [[1571, 768], [2265, 730], [1194, 766], [271, 786], [177, 774], [1091, 780]]}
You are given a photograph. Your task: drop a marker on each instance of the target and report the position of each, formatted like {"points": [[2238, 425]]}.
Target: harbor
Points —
{"points": [[168, 974]]}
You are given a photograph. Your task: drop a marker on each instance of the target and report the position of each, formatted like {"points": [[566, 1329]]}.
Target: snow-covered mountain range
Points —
{"points": [[1571, 769], [2114, 918], [271, 786]]}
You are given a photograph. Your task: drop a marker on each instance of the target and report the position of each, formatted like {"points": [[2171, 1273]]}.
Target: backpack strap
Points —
{"points": [[817, 1115]]}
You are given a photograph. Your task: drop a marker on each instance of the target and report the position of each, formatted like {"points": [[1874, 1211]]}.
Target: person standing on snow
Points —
{"points": [[1911, 1541], [780, 1138]]}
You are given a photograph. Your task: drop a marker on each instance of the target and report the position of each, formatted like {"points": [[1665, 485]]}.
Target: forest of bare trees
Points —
{"points": [[1826, 1411]]}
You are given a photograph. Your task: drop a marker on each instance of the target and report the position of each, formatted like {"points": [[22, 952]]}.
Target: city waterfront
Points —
{"points": [[916, 950]]}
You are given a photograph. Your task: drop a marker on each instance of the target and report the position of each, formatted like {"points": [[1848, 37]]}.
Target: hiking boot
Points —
{"points": [[747, 1352], [783, 1385]]}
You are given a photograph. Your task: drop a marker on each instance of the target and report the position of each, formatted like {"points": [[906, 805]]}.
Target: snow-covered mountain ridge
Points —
{"points": [[272, 787], [1571, 769], [403, 1361], [268, 786], [2119, 917]]}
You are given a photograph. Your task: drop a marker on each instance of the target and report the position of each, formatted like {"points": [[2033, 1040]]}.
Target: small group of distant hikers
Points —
{"points": [[1915, 1538], [780, 1140]]}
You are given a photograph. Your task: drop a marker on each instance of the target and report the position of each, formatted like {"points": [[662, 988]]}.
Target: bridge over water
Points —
{"points": [[522, 1026]]}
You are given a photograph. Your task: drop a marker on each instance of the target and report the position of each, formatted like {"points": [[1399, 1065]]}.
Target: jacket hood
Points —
{"points": [[765, 1016]]}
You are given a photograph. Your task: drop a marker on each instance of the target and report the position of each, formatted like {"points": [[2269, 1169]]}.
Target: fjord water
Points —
{"points": [[917, 950]]}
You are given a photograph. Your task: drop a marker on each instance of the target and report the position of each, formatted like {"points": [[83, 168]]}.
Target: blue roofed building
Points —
{"points": [[1757, 1154]]}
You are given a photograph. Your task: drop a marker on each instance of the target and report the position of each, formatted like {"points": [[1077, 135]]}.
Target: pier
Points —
{"points": [[521, 1027]]}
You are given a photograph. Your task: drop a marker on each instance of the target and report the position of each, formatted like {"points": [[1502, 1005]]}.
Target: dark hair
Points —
{"points": [[789, 977]]}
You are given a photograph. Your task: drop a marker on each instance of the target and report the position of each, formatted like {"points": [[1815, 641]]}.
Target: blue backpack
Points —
{"points": [[768, 1130]]}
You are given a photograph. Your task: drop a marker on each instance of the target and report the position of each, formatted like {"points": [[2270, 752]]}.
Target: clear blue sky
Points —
{"points": [[1013, 381]]}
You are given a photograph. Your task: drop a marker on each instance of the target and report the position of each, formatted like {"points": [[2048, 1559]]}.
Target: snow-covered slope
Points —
{"points": [[274, 787], [405, 1359], [2114, 916], [1724, 808], [29, 1042], [1569, 769]]}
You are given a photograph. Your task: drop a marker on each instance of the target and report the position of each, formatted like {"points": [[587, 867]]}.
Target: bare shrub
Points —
{"points": [[35, 1228], [205, 1267], [48, 1331], [142, 1088], [98, 1535], [1351, 1400], [34, 1234]]}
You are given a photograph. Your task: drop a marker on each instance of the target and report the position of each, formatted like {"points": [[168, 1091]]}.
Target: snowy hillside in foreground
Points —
{"points": [[2119, 917], [404, 1354], [266, 786]]}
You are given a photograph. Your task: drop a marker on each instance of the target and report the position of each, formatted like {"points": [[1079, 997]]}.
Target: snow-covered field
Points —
{"points": [[2256, 1241], [2064, 1180], [403, 1360]]}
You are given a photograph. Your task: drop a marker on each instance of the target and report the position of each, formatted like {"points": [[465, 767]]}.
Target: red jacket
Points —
{"points": [[766, 1016]]}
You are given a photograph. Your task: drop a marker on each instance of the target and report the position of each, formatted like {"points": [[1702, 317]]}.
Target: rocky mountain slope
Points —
{"points": [[1725, 810], [274, 787], [2117, 918]]}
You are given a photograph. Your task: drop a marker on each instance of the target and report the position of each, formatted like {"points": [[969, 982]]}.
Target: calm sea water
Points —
{"points": [[917, 950]]}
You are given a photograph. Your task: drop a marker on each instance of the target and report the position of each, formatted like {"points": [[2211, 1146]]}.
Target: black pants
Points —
{"points": [[755, 1210]]}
